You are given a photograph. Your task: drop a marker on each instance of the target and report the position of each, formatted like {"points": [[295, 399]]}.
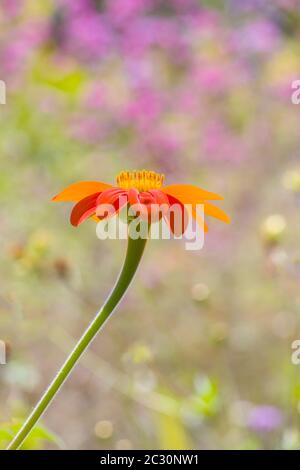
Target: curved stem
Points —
{"points": [[134, 253]]}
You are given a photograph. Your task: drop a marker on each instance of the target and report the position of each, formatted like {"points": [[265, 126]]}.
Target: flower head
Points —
{"points": [[144, 190]]}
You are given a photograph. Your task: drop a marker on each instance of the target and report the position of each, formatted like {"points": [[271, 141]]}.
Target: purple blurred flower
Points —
{"points": [[185, 6], [146, 32], [120, 11], [144, 108], [80, 6], [213, 78], [219, 144], [204, 21], [282, 88], [19, 47], [164, 148], [96, 97], [247, 5], [186, 101], [288, 3], [265, 418], [87, 129], [260, 36], [89, 36], [140, 72]]}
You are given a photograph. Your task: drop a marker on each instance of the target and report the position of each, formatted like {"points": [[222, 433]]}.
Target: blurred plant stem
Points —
{"points": [[135, 249]]}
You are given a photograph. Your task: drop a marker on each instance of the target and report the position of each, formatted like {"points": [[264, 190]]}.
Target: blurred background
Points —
{"points": [[198, 356]]}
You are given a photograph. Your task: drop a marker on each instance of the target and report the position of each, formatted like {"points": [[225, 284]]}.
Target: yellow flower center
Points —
{"points": [[141, 180]]}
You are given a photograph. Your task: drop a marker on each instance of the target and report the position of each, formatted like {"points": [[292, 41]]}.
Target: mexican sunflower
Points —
{"points": [[142, 188]]}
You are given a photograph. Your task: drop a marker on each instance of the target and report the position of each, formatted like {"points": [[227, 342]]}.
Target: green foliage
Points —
{"points": [[171, 433], [206, 399], [37, 439]]}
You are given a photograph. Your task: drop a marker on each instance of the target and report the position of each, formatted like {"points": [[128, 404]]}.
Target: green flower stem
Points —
{"points": [[134, 254]]}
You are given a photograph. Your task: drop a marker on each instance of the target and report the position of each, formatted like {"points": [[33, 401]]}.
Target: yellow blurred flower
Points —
{"points": [[273, 228]]}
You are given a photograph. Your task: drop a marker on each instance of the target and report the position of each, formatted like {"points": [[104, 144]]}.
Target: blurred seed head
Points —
{"points": [[273, 229], [284, 324], [219, 332], [124, 444], [291, 439], [200, 292], [8, 350], [138, 353], [144, 381], [33, 254], [291, 180], [278, 258], [294, 266], [62, 268], [104, 429], [16, 251], [40, 242]]}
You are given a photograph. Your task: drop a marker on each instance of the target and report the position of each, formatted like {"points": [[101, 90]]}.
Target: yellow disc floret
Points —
{"points": [[141, 180]]}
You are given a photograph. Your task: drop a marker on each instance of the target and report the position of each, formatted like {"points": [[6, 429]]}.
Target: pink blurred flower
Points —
{"points": [[96, 97], [79, 6], [12, 8], [88, 36], [283, 89], [163, 147], [19, 47], [204, 21], [213, 78], [146, 32], [140, 72], [219, 144], [186, 101], [120, 11], [145, 108], [87, 129], [260, 36]]}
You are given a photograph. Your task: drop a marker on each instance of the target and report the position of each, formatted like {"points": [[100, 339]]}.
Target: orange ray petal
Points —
{"points": [[189, 194], [106, 196], [84, 209], [216, 212], [170, 217], [160, 197], [200, 221], [77, 191], [116, 197]]}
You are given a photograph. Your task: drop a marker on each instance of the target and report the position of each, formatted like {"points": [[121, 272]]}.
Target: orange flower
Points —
{"points": [[141, 188], [138, 188]]}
